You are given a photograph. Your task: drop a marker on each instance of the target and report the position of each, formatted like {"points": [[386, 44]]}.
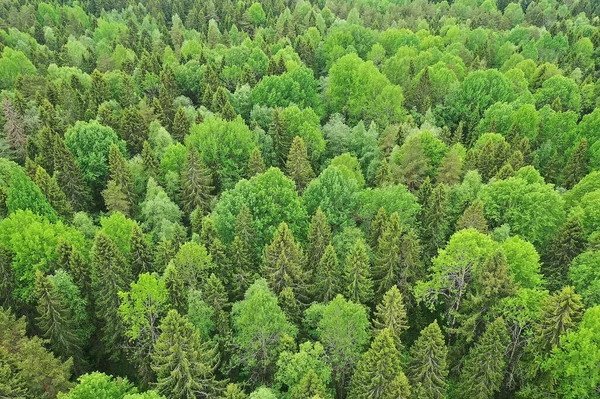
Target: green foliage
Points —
{"points": [[427, 367], [99, 385], [259, 325]]}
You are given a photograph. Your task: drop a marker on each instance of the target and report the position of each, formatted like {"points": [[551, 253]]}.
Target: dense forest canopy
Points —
{"points": [[292, 199]]}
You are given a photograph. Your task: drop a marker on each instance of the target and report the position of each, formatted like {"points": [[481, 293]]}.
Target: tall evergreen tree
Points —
{"points": [[150, 161], [110, 275], [141, 252], [280, 137], [577, 166], [216, 297], [383, 176], [181, 125], [357, 274], [328, 276], [256, 163], [391, 314], [196, 184], [435, 220], [7, 284], [377, 227], [168, 91], [56, 197], [379, 374], [388, 265], [297, 166], [55, 319], [483, 370], [310, 386], [560, 313], [69, 176], [427, 369], [319, 237], [566, 244], [184, 366], [133, 129], [176, 287], [283, 262], [45, 149], [473, 217], [119, 195]]}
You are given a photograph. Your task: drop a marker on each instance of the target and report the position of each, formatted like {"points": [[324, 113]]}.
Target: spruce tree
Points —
{"points": [[319, 237], [7, 283], [196, 184], [120, 192], [184, 366], [378, 373], [141, 252], [507, 171], [384, 174], [328, 276], [45, 149], [176, 286], [357, 275], [56, 197], [483, 369], [115, 200], [387, 268], [560, 313], [69, 176], [220, 100], [228, 112], [297, 166], [377, 227], [473, 218], [435, 220], [566, 244], [133, 129], [391, 314], [55, 319], [232, 391], [216, 297], [181, 125], [280, 137], [256, 164], [577, 166], [427, 369], [150, 161], [110, 275], [167, 93], [283, 261]]}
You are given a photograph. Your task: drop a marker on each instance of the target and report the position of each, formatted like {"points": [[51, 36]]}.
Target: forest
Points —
{"points": [[299, 199]]}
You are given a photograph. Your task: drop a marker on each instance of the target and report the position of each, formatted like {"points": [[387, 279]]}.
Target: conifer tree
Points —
{"points": [[115, 200], [69, 176], [184, 366], [384, 174], [283, 261], [567, 244], [119, 195], [167, 93], [391, 314], [55, 319], [181, 125], [196, 184], [560, 313], [427, 369], [357, 275], [56, 197], [133, 129], [141, 252], [505, 172], [377, 227], [242, 255], [483, 369], [297, 166], [493, 282], [228, 112], [280, 137], [176, 287], [45, 149], [289, 305], [424, 193], [256, 164], [387, 268], [220, 100], [435, 220], [577, 166], [110, 275], [216, 297], [150, 162], [378, 373], [328, 276], [473, 217], [99, 91], [319, 237], [7, 283]]}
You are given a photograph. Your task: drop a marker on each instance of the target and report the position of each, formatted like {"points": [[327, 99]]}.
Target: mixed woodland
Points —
{"points": [[299, 199]]}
